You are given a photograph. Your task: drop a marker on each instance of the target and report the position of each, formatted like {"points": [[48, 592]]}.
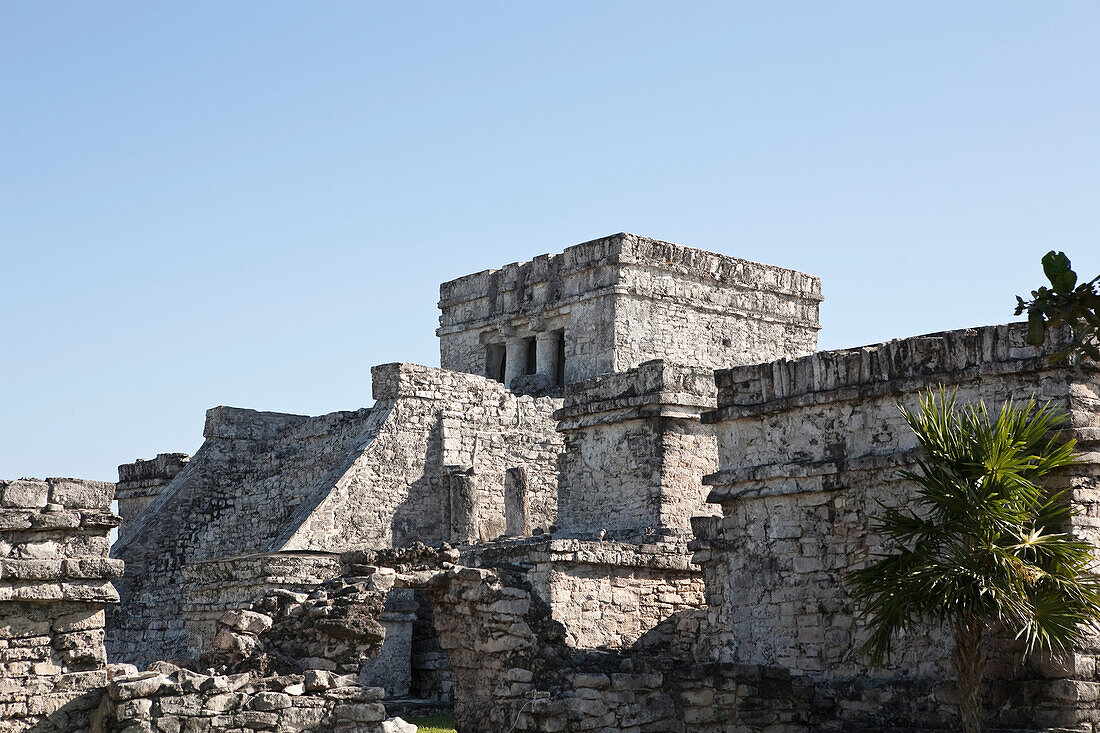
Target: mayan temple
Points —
{"points": [[626, 501]]}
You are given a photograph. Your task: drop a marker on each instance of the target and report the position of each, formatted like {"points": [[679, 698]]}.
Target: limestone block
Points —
{"points": [[270, 701], [398, 725], [25, 493], [319, 679], [248, 622], [143, 684], [361, 713], [241, 644], [77, 493]]}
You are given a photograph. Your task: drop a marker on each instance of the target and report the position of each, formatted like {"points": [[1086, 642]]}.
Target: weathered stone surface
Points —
{"points": [[375, 477], [140, 482], [54, 582], [610, 304], [284, 559], [605, 593], [79, 494], [25, 493], [514, 670], [635, 453], [182, 700], [807, 451], [249, 622]]}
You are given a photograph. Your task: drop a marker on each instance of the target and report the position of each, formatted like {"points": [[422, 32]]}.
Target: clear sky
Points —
{"points": [[250, 204]]}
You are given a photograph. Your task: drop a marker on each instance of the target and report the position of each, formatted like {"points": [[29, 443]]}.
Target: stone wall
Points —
{"points": [[439, 423], [807, 449], [333, 628], [605, 594], [610, 597], [140, 482], [378, 477], [566, 292], [709, 310], [698, 308], [290, 661], [635, 452], [514, 671], [253, 470], [431, 672], [55, 578], [213, 587], [170, 698]]}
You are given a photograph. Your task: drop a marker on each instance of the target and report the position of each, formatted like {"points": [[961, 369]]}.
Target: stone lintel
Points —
{"points": [[403, 379], [630, 250], [653, 389], [265, 565], [514, 322], [742, 482], [139, 491], [540, 550]]}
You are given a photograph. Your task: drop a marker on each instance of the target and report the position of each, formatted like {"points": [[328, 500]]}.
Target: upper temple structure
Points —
{"points": [[626, 501], [608, 305]]}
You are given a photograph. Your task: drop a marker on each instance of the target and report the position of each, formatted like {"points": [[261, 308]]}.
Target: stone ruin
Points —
{"points": [[626, 502]]}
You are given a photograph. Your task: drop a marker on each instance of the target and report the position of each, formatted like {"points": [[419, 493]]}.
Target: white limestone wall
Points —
{"points": [[807, 451], [396, 491], [624, 300]]}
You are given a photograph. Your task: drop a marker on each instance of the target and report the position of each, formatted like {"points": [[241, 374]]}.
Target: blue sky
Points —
{"points": [[252, 203]]}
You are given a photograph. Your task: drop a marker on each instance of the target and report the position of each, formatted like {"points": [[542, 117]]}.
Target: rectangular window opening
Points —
{"points": [[559, 360], [495, 358], [532, 357]]}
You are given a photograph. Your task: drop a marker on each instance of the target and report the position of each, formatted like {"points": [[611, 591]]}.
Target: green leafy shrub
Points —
{"points": [[1065, 303]]}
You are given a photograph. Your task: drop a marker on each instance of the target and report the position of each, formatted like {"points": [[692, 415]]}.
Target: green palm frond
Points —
{"points": [[981, 536]]}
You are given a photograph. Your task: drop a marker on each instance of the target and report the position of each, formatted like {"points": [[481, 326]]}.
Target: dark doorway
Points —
{"points": [[496, 356], [559, 362]]}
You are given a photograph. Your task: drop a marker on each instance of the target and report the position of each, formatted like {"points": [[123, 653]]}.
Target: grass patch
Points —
{"points": [[435, 724]]}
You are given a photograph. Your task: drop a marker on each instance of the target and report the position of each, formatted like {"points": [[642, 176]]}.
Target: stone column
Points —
{"points": [[546, 354], [516, 363]]}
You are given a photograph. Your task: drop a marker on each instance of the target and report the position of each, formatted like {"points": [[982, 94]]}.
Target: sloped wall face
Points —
{"points": [[807, 450], [140, 482], [265, 482], [55, 579], [440, 424], [252, 473], [623, 300]]}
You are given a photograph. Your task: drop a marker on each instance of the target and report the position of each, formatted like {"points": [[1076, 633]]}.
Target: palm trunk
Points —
{"points": [[969, 664]]}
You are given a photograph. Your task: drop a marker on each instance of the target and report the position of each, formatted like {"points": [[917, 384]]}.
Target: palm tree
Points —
{"points": [[982, 546]]}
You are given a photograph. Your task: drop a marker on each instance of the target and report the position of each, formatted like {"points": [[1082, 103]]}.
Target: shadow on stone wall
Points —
{"points": [[410, 520]]}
